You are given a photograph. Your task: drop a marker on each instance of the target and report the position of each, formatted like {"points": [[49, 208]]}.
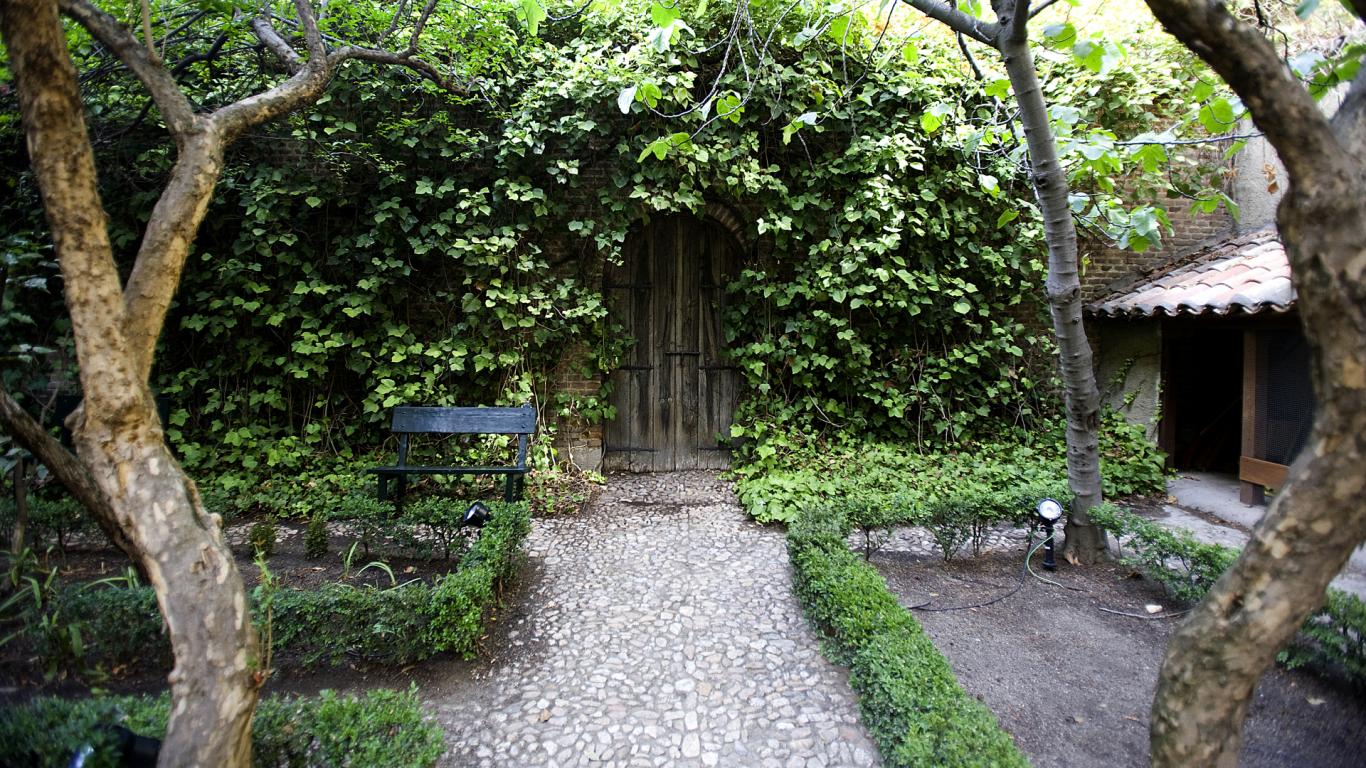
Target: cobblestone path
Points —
{"points": [[657, 629]]}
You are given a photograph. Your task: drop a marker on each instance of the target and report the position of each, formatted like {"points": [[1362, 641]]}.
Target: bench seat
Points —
{"points": [[410, 420]]}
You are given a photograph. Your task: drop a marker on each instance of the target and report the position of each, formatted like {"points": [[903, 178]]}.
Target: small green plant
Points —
{"points": [[383, 567], [380, 727], [1186, 566], [262, 537], [315, 537], [1332, 638], [348, 557]]}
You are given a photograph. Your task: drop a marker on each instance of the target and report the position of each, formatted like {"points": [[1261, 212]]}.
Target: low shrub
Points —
{"points": [[1333, 638], [381, 727], [315, 537], [1185, 566], [908, 696], [262, 536], [52, 520], [334, 624], [460, 601]]}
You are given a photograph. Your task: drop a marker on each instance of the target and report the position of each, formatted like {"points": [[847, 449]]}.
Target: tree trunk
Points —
{"points": [[20, 474], [68, 470], [1085, 543], [1217, 656], [119, 438]]}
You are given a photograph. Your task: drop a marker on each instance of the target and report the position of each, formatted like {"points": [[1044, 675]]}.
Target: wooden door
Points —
{"points": [[675, 391]]}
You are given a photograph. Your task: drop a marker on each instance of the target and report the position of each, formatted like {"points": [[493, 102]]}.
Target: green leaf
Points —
{"points": [[1060, 37], [1006, 217], [838, 28], [1217, 116], [1306, 8], [625, 99], [663, 15], [962, 307], [312, 201], [931, 119], [649, 95], [533, 14], [998, 89], [990, 183], [910, 54]]}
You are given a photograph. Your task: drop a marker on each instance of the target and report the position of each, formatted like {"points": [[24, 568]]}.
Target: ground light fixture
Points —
{"points": [[478, 514], [1049, 512]]}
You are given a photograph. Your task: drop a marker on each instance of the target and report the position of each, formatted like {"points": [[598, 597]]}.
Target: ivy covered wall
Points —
{"points": [[396, 245]]}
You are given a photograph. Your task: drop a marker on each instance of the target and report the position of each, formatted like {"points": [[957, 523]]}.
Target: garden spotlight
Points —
{"points": [[476, 515], [1050, 512]]}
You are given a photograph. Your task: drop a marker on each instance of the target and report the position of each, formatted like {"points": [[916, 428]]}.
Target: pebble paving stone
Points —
{"points": [[659, 629]]}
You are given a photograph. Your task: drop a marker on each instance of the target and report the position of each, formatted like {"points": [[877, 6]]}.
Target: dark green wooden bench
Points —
{"points": [[413, 420]]}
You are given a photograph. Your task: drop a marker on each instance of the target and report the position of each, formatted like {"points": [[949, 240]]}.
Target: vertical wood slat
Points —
{"points": [[1250, 492], [679, 391]]}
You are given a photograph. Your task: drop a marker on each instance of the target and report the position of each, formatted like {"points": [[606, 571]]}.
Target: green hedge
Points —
{"points": [[1332, 638], [908, 695], [382, 727], [333, 624]]}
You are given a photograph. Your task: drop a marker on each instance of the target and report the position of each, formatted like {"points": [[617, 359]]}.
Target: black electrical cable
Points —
{"points": [[1028, 571], [1024, 576]]}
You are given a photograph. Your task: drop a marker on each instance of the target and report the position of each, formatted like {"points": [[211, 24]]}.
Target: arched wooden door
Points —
{"points": [[676, 390]]}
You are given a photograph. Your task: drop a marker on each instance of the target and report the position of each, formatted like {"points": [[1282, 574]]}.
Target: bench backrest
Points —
{"points": [[410, 419]]}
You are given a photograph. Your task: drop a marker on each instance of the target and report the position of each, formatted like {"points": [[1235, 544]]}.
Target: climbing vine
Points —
{"points": [[397, 244]]}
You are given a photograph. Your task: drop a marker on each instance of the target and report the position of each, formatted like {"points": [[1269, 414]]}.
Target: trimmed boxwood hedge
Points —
{"points": [[908, 695], [381, 727], [332, 624]]}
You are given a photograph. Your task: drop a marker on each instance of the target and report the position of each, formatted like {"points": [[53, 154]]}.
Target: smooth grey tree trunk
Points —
{"points": [[1085, 543]]}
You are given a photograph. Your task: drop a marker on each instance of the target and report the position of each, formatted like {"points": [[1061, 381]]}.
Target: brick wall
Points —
{"points": [[1106, 268]]}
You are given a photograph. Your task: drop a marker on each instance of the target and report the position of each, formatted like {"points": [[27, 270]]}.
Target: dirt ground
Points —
{"points": [[1073, 683]]}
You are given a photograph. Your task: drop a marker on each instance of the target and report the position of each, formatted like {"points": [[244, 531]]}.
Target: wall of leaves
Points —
{"points": [[397, 245]]}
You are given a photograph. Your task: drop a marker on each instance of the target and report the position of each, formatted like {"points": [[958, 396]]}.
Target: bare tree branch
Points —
{"points": [[312, 37], [1041, 7], [271, 39], [406, 60], [147, 31], [420, 25], [981, 31], [142, 62], [64, 466]]}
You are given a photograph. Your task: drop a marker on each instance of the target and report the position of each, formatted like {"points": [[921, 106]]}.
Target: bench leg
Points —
{"points": [[402, 486], [508, 492], [383, 488]]}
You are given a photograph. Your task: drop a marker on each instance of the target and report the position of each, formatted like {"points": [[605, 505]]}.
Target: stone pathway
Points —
{"points": [[657, 629]]}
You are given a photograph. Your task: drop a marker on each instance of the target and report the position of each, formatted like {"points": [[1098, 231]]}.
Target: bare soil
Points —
{"points": [[1073, 684]]}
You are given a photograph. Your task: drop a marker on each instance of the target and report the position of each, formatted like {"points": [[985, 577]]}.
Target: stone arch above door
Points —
{"points": [[676, 389]]}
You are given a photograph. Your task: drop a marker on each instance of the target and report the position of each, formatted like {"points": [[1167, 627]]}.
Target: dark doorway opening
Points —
{"points": [[1203, 403]]}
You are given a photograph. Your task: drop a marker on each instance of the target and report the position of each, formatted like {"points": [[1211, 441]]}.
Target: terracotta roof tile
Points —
{"points": [[1243, 274]]}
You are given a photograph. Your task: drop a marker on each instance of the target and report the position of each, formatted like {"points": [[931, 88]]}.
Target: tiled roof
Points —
{"points": [[1244, 274]]}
